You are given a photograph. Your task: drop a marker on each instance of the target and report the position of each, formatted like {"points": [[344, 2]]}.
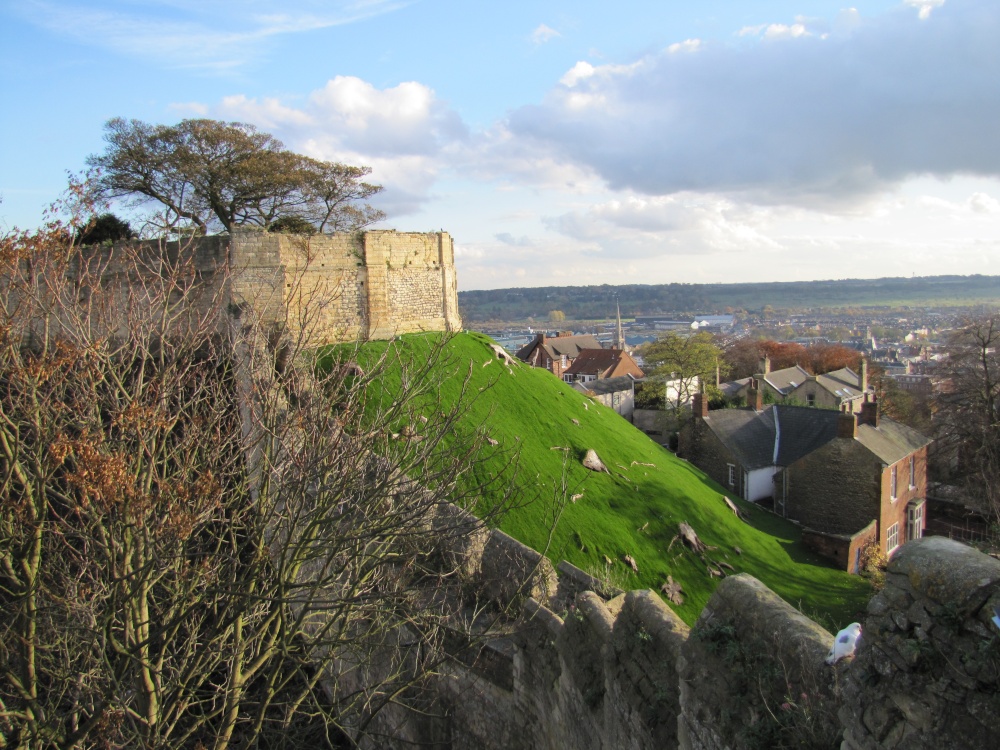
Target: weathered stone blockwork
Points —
{"points": [[752, 674], [927, 673], [583, 671], [340, 287]]}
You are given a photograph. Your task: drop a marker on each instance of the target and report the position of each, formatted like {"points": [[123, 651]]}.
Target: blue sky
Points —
{"points": [[564, 142]]}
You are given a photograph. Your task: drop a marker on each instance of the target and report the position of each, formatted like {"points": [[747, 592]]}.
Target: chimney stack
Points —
{"points": [[864, 375], [755, 399], [869, 411], [765, 365], [847, 425], [699, 405]]}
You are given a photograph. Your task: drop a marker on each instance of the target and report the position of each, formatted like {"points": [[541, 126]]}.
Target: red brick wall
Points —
{"points": [[894, 511]]}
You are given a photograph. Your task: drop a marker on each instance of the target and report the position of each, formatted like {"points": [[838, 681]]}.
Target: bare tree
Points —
{"points": [[195, 550], [968, 423]]}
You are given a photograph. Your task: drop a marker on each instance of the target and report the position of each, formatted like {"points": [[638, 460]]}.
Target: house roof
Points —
{"points": [[802, 430], [733, 387], [843, 383], [891, 441], [780, 435], [748, 434], [557, 346], [604, 363], [785, 380], [607, 385]]}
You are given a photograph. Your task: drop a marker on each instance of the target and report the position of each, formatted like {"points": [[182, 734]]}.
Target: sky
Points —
{"points": [[563, 143]]}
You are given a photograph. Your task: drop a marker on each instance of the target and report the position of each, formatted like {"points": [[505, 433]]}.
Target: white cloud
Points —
{"points": [[781, 31], [544, 34], [981, 203], [818, 118], [582, 70], [688, 45], [219, 36], [404, 132], [508, 239], [924, 7], [635, 226]]}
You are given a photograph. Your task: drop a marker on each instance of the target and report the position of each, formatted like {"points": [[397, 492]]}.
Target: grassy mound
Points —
{"points": [[635, 510]]}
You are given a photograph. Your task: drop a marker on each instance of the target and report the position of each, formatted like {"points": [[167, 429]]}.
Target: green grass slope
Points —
{"points": [[636, 509]]}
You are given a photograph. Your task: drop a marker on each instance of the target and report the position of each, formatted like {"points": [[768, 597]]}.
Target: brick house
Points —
{"points": [[845, 478], [599, 364], [556, 353]]}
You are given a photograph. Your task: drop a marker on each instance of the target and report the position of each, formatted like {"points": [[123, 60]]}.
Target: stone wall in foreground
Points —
{"points": [[623, 671]]}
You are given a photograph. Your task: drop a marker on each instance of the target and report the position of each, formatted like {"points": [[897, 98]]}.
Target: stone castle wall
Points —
{"points": [[623, 671], [341, 287], [328, 288]]}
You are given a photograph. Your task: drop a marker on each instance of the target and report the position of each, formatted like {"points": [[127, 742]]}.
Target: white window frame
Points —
{"points": [[892, 539], [915, 520], [732, 475], [913, 472], [893, 484]]}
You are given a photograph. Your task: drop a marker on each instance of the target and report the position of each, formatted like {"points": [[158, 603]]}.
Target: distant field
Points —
{"points": [[636, 299], [635, 510]]}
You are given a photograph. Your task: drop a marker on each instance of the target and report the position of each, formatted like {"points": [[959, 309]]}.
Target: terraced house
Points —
{"points": [[848, 479], [833, 390]]}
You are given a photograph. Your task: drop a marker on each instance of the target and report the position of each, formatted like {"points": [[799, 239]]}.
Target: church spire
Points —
{"points": [[619, 334]]}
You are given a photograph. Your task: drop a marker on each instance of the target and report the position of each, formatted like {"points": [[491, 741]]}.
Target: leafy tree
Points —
{"points": [[192, 547], [681, 364], [105, 228], [556, 316], [205, 175], [292, 225]]}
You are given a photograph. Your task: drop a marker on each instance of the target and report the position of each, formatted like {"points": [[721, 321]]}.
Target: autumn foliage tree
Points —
{"points": [[191, 546]]}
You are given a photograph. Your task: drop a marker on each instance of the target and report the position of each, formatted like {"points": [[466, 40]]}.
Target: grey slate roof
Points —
{"points": [[798, 431], [787, 379], [733, 387], [844, 383], [748, 434], [556, 346], [803, 429], [570, 345], [891, 441], [609, 385]]}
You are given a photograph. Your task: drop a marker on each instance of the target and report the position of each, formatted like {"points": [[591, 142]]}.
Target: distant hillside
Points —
{"points": [[584, 302], [636, 509]]}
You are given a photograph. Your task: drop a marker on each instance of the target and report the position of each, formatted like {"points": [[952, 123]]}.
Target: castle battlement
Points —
{"points": [[621, 670]]}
